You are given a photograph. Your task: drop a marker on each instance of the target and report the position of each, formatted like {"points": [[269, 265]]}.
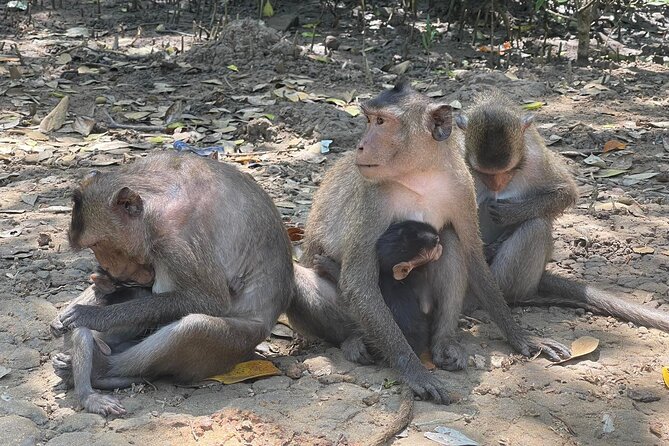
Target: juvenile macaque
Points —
{"points": [[196, 226], [402, 251], [521, 188], [408, 166], [82, 363]]}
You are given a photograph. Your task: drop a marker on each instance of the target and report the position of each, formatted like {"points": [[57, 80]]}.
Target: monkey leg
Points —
{"points": [[84, 353], [190, 349], [448, 279], [521, 259]]}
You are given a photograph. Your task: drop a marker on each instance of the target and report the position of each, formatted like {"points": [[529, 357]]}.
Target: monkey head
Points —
{"points": [[494, 141], [403, 130], [108, 218]]}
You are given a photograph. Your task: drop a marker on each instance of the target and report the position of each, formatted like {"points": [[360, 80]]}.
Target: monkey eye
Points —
{"points": [[379, 120]]}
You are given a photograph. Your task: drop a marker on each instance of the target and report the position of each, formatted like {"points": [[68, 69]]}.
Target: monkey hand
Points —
{"points": [[504, 212], [449, 355], [103, 282], [426, 385], [57, 327], [530, 345], [83, 316]]}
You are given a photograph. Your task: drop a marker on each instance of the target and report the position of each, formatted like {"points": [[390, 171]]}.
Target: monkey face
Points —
{"points": [[379, 146], [121, 267]]}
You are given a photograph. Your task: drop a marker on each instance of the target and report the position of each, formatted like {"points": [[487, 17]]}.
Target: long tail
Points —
{"points": [[561, 291]]}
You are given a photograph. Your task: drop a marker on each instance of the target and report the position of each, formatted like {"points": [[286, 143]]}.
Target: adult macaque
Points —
{"points": [[408, 166], [402, 251], [199, 225], [521, 188]]}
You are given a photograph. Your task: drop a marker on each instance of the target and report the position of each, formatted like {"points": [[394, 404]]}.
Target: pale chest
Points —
{"points": [[430, 199]]}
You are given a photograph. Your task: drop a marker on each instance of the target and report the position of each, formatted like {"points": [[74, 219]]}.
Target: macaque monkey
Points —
{"points": [[83, 362], [402, 251], [408, 166], [195, 226], [521, 188]]}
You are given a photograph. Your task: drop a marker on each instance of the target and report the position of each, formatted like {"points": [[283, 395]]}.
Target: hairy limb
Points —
{"points": [[149, 311], [540, 204], [448, 276]]}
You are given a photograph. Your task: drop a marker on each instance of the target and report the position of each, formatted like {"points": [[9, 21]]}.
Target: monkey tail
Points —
{"points": [[398, 423], [561, 291]]}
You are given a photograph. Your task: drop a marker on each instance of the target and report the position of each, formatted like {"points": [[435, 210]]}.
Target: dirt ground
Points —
{"points": [[268, 100]]}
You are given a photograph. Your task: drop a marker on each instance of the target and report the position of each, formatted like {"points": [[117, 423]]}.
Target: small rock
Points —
{"points": [[43, 239], [497, 361], [643, 330], [24, 358], [295, 370], [478, 362], [335, 378], [656, 428], [318, 366], [80, 422], [642, 396], [372, 399], [272, 384], [16, 430]]}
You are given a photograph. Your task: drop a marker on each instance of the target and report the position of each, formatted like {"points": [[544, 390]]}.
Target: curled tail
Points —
{"points": [[561, 291]]}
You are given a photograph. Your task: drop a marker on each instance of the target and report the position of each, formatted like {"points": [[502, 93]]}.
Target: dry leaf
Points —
{"points": [[581, 347], [426, 359], [56, 118], [613, 145], [665, 375], [607, 173], [643, 250], [83, 125], [247, 370], [295, 234]]}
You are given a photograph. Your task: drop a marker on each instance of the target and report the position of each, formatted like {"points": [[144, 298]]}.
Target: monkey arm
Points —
{"points": [[360, 290], [149, 311], [546, 203]]}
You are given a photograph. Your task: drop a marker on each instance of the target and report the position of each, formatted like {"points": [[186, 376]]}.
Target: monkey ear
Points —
{"points": [[526, 121], [462, 121], [441, 121], [130, 201]]}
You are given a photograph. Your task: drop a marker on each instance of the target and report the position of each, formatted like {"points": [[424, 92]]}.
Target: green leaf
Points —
{"points": [[533, 106], [310, 34], [267, 10], [538, 4], [233, 68], [352, 110]]}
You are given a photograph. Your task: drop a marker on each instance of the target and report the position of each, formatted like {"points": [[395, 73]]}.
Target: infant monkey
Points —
{"points": [[85, 349], [402, 251]]}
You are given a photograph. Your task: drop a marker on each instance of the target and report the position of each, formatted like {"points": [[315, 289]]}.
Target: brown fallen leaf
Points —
{"points": [[426, 359], [613, 144], [643, 250], [56, 118], [580, 347], [295, 234], [243, 371]]}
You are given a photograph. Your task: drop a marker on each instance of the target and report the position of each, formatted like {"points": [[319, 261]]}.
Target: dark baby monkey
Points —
{"points": [[408, 166], [521, 188], [196, 226], [403, 250]]}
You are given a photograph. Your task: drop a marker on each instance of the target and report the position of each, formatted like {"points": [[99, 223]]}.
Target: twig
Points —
{"points": [[138, 127]]}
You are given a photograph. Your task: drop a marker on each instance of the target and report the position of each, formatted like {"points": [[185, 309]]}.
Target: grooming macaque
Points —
{"points": [[197, 226], [408, 166], [521, 188], [402, 250]]}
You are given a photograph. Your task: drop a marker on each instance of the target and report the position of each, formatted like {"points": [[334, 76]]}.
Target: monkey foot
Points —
{"points": [[103, 404], [427, 386], [449, 355], [528, 345], [355, 350], [62, 367]]}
